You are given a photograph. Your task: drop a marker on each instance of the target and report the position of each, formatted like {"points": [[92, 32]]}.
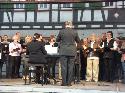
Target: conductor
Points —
{"points": [[68, 38]]}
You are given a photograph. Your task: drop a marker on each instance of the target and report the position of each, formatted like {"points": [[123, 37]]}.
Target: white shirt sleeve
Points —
{"points": [[10, 47], [0, 55], [115, 45], [14, 53]]}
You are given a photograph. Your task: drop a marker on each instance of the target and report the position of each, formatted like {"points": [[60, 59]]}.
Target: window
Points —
{"points": [[66, 5], [108, 3], [19, 6], [6, 6], [43, 5]]}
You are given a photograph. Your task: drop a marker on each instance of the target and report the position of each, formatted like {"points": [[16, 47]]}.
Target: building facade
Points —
{"points": [[49, 18]]}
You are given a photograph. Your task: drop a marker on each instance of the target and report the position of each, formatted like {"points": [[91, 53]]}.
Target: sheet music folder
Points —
{"points": [[51, 50]]}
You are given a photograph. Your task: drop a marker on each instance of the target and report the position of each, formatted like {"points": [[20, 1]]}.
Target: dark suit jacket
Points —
{"points": [[37, 52], [1, 51], [67, 38]]}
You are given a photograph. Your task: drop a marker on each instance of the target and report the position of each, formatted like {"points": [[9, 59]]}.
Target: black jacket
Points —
{"points": [[108, 53], [68, 39], [37, 52], [1, 50]]}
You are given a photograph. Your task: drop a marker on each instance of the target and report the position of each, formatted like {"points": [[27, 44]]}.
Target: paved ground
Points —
{"points": [[17, 86]]}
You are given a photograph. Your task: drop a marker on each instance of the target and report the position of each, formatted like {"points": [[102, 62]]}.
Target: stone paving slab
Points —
{"points": [[17, 86]]}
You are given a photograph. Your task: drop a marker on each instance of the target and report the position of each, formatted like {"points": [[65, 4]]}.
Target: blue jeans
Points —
{"points": [[123, 66]]}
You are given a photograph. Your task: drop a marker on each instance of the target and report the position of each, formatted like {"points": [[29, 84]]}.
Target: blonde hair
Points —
{"points": [[93, 37], [15, 37], [28, 39]]}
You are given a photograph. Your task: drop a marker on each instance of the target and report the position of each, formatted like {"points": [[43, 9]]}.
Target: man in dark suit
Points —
{"points": [[110, 49], [1, 57], [37, 53], [67, 49], [6, 57]]}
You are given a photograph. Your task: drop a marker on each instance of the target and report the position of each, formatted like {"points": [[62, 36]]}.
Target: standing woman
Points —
{"points": [[25, 57], [1, 53], [15, 50]]}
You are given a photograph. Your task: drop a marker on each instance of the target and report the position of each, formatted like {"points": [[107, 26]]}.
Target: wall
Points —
{"points": [[82, 33]]}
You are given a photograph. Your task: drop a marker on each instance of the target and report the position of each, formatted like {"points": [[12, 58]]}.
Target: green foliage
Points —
{"points": [[95, 5], [30, 7], [6, 6], [79, 5]]}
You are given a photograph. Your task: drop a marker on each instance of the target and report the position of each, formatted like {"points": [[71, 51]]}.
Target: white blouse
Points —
{"points": [[13, 46]]}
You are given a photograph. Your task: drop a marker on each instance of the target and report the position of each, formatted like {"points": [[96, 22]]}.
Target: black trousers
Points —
{"points": [[7, 61], [14, 66], [77, 72], [40, 75], [67, 65], [51, 67], [1, 65], [109, 70], [101, 70]]}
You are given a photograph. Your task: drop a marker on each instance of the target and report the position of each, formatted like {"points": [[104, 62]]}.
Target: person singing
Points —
{"points": [[1, 57], [15, 50]]}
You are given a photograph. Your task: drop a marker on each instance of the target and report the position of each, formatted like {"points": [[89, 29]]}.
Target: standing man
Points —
{"points": [[68, 50], [110, 46], [6, 56], [1, 57]]}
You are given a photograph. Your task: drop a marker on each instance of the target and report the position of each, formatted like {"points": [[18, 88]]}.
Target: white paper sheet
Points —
{"points": [[51, 50], [0, 55]]}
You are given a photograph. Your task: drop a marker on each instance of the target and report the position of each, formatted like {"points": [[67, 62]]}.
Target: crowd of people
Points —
{"points": [[102, 58], [99, 58]]}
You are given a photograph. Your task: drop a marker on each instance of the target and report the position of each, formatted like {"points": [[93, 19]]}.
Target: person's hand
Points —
{"points": [[24, 50], [87, 51], [78, 51], [94, 49], [14, 50], [4, 51]]}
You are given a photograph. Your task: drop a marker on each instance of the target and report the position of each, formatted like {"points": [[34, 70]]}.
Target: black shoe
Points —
{"points": [[37, 81], [63, 84]]}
